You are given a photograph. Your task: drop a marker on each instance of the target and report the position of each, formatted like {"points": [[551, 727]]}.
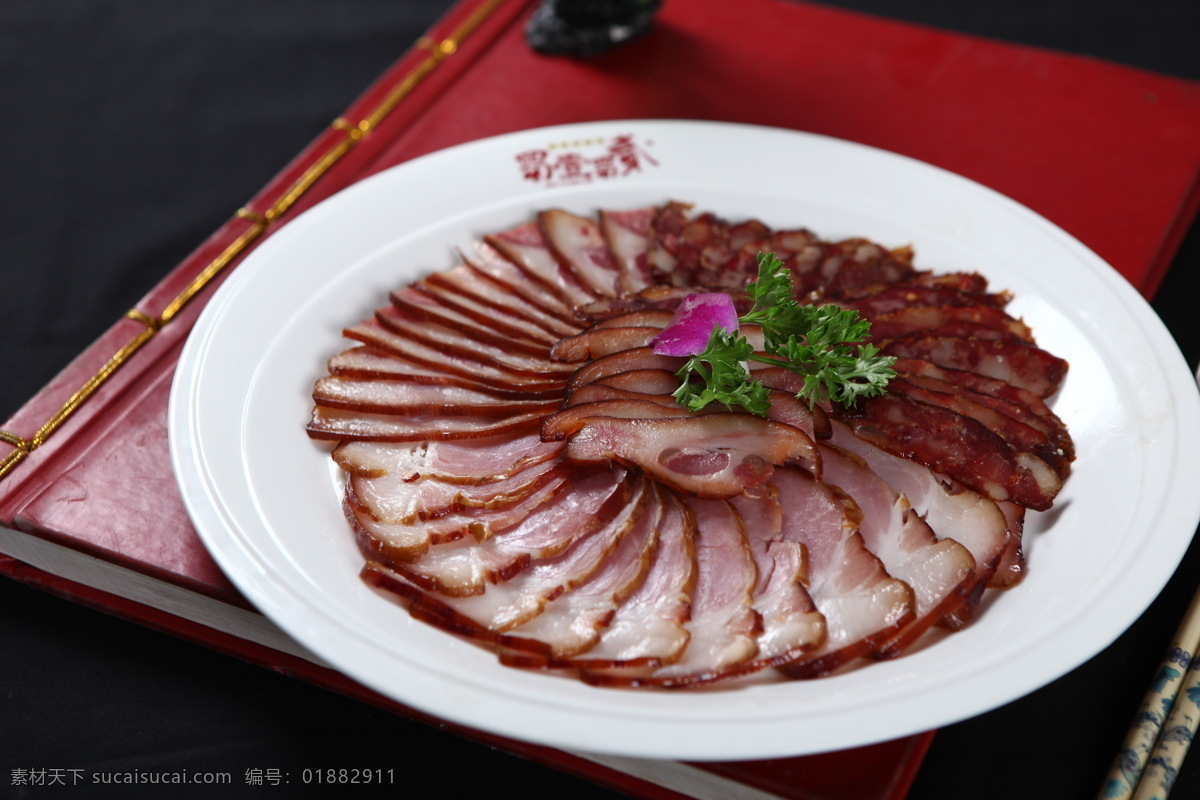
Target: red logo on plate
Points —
{"points": [[585, 160]]}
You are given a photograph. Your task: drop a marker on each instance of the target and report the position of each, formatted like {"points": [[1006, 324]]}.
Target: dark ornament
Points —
{"points": [[587, 27]]}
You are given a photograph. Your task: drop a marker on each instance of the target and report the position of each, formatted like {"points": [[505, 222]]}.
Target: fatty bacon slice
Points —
{"points": [[465, 461], [464, 567], [397, 542], [941, 572], [510, 601], [710, 456], [723, 627], [864, 606], [951, 510], [573, 622], [627, 234], [526, 247], [649, 628]]}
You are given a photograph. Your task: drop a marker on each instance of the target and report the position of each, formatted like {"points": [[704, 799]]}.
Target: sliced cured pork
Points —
{"points": [[519, 473]]}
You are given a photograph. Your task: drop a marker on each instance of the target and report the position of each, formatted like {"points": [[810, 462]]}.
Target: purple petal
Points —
{"points": [[692, 326]]}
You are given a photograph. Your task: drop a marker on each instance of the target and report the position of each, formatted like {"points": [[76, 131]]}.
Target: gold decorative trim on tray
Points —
{"points": [[259, 223]]}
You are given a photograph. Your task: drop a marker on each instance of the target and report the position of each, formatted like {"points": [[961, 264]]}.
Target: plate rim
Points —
{"points": [[189, 461]]}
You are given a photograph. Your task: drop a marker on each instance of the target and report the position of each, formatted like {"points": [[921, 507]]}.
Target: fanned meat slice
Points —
{"points": [[941, 572], [917, 319], [495, 325], [392, 543], [1014, 401], [643, 318], [580, 247], [791, 624], [712, 456], [368, 362], [470, 462], [462, 568], [665, 239], [624, 361], [372, 332], [522, 596], [644, 381], [601, 391], [955, 445], [480, 295], [852, 263], [1022, 365], [1021, 437], [863, 606], [382, 396], [952, 511], [340, 424], [628, 236], [527, 248], [463, 346], [649, 628], [573, 622], [597, 342], [492, 264], [898, 297], [394, 499], [1011, 569], [723, 627]]}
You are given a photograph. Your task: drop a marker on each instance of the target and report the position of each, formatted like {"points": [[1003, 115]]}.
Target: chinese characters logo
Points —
{"points": [[585, 160]]}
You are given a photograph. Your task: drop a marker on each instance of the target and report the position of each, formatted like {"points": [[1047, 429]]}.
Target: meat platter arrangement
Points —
{"points": [[536, 464]]}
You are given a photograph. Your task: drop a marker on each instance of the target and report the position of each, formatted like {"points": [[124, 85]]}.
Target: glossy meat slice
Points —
{"points": [[483, 297], [791, 624], [590, 502], [952, 511], [467, 461], [492, 264], [578, 245], [395, 542], [384, 396], [1014, 401], [864, 606], [338, 424], [958, 446], [368, 362], [941, 572], [572, 623], [526, 247], [627, 234], [1022, 437], [602, 341], [1025, 366], [415, 351], [723, 627], [649, 628], [394, 498], [711, 456]]}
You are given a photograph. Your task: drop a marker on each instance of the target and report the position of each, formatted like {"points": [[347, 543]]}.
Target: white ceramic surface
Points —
{"points": [[265, 498]]}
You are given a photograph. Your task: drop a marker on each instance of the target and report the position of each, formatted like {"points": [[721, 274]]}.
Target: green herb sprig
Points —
{"points": [[819, 343]]}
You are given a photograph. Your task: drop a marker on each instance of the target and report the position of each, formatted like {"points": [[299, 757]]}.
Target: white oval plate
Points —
{"points": [[265, 498]]}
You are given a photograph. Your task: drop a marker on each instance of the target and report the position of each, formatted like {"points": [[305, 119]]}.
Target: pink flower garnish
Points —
{"points": [[692, 326]]}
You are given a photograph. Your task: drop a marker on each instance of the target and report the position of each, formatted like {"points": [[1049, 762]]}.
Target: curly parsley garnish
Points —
{"points": [[822, 344]]}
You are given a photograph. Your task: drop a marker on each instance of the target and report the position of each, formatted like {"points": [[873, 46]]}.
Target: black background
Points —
{"points": [[133, 128]]}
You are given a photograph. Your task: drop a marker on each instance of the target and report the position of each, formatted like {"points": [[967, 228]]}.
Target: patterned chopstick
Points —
{"points": [[1165, 722], [1173, 741]]}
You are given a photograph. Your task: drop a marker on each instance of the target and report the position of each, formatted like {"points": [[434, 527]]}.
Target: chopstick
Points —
{"points": [[1159, 738]]}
